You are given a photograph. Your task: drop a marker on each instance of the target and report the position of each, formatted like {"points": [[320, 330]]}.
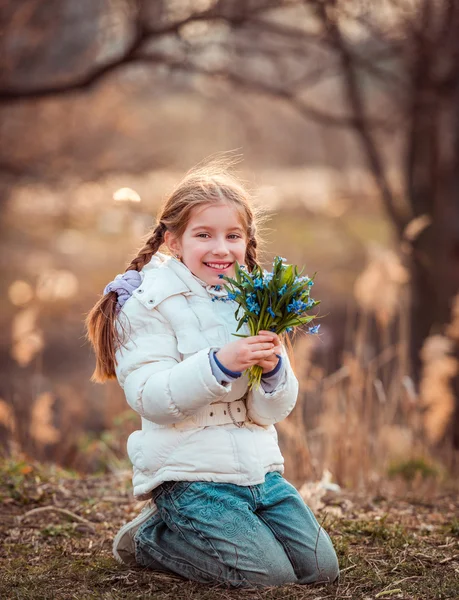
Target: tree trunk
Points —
{"points": [[433, 188]]}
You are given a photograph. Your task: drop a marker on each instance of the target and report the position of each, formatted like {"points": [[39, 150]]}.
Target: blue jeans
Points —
{"points": [[239, 536]]}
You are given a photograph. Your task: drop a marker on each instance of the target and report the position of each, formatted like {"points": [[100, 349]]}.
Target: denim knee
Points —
{"points": [[280, 575], [327, 567]]}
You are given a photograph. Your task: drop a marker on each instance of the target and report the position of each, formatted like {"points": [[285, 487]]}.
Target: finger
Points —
{"points": [[267, 366], [263, 346], [256, 339], [261, 354], [268, 333], [267, 362], [273, 336]]}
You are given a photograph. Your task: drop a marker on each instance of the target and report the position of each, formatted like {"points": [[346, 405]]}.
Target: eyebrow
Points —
{"points": [[212, 229]]}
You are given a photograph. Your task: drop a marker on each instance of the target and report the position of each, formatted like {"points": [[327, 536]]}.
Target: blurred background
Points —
{"points": [[347, 116]]}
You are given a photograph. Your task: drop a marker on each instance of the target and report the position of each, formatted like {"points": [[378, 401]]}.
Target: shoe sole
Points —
{"points": [[141, 518]]}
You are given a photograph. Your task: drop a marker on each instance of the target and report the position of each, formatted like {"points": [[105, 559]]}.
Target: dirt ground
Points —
{"points": [[388, 547]]}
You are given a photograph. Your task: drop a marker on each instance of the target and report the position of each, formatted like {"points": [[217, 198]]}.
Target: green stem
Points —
{"points": [[262, 313]]}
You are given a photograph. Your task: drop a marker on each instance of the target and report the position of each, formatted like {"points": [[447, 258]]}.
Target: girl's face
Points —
{"points": [[213, 240]]}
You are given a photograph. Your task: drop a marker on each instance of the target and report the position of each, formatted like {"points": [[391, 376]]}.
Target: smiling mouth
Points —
{"points": [[218, 266]]}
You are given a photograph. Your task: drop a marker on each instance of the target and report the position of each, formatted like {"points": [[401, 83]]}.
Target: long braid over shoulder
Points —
{"points": [[152, 245], [100, 322], [209, 182]]}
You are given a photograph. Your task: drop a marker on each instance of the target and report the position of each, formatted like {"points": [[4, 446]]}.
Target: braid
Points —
{"points": [[251, 254], [152, 245], [100, 322]]}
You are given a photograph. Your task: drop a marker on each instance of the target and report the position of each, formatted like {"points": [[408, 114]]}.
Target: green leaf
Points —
{"points": [[305, 320], [232, 281], [287, 276], [247, 278], [241, 323]]}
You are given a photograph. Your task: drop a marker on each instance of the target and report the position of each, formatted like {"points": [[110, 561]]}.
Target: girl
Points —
{"points": [[207, 457]]}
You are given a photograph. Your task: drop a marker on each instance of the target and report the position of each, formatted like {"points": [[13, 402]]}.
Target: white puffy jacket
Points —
{"points": [[170, 325]]}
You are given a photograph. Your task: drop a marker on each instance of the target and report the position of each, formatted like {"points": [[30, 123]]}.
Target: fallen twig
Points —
{"points": [[453, 543], [347, 569], [449, 559], [388, 592], [64, 511]]}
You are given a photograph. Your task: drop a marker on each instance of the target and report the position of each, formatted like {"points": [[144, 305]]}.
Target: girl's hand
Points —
{"points": [[270, 363], [246, 352]]}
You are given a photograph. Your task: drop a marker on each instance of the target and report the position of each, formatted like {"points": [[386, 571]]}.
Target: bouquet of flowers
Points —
{"points": [[276, 301]]}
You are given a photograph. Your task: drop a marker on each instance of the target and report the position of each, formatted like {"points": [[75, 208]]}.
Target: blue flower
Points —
{"points": [[314, 329], [279, 258], [282, 290], [273, 328], [218, 287], [296, 306], [304, 279], [252, 305], [258, 283], [309, 303], [267, 277], [220, 275], [289, 329], [231, 296], [271, 312]]}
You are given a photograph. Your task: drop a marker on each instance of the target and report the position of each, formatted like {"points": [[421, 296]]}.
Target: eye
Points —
{"points": [[233, 235]]}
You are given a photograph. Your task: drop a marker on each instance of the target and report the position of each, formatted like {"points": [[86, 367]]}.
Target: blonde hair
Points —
{"points": [[209, 182]]}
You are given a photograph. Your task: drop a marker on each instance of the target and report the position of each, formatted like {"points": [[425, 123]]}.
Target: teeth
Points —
{"points": [[218, 265]]}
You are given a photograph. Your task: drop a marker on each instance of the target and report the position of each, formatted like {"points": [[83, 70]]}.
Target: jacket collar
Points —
{"points": [[165, 282], [165, 276]]}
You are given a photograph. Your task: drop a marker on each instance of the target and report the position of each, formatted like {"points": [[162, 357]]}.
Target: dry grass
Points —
{"points": [[358, 414], [388, 547], [366, 420]]}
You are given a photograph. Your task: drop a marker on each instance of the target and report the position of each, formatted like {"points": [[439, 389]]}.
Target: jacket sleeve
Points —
{"points": [[267, 408], [158, 384]]}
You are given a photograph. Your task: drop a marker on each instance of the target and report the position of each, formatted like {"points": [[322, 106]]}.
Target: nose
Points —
{"points": [[220, 248]]}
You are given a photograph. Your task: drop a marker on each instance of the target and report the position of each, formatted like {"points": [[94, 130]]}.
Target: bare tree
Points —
{"points": [[423, 39]]}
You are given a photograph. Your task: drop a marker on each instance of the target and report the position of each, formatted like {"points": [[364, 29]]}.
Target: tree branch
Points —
{"points": [[142, 35], [360, 120], [261, 87]]}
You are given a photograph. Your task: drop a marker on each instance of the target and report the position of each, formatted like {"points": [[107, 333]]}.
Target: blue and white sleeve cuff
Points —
{"points": [[270, 381], [220, 372]]}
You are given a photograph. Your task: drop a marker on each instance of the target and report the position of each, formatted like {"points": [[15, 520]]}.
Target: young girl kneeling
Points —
{"points": [[207, 456]]}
